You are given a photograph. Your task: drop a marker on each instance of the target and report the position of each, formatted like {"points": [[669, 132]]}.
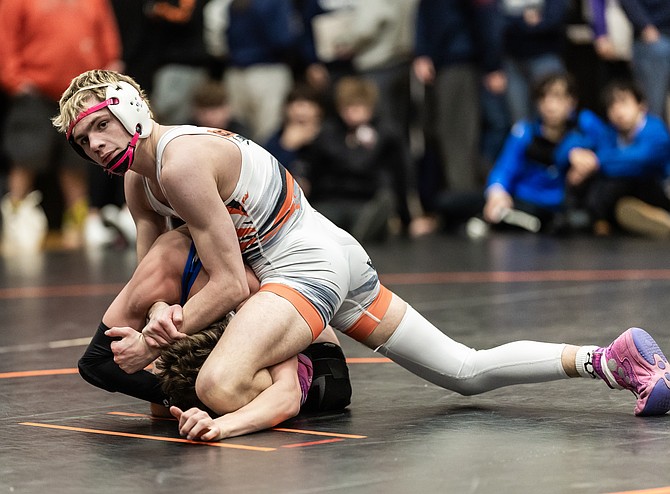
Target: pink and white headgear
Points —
{"points": [[126, 104]]}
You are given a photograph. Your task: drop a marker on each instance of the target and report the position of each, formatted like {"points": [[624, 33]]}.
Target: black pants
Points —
{"points": [[97, 367], [604, 192]]}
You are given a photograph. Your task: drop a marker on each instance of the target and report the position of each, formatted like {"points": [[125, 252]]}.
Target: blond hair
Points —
{"points": [[84, 86], [353, 90]]}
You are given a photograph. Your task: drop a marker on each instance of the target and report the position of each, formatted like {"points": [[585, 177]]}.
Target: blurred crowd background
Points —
{"points": [[392, 114]]}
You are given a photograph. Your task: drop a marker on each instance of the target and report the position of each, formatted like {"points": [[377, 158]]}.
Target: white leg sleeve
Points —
{"points": [[424, 350]]}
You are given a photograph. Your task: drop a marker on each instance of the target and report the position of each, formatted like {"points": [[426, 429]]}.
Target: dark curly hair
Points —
{"points": [[179, 364]]}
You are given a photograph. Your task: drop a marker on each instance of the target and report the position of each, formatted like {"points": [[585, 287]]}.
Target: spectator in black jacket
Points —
{"points": [[357, 167]]}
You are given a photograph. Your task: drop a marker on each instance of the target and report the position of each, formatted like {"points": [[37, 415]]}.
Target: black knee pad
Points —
{"points": [[331, 387], [92, 365], [97, 367]]}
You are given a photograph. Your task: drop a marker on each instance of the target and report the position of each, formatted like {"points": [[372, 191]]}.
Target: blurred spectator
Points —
{"points": [[303, 115], [137, 41], [455, 43], [4, 160], [651, 49], [260, 36], [210, 107], [530, 173], [379, 40], [495, 116], [623, 173], [323, 42], [43, 45], [105, 194], [357, 167], [612, 43], [612, 31], [533, 44], [179, 54]]}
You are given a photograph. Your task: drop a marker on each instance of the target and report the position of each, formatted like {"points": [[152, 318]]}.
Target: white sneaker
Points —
{"points": [[477, 228], [122, 220], [96, 234], [24, 227]]}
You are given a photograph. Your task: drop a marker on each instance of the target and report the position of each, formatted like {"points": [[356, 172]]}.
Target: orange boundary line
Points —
{"points": [[144, 436], [34, 373], [335, 437], [61, 291], [525, 276], [318, 433], [280, 429], [659, 490], [313, 443]]}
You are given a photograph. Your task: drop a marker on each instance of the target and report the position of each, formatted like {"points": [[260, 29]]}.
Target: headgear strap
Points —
{"points": [[125, 160], [83, 114]]}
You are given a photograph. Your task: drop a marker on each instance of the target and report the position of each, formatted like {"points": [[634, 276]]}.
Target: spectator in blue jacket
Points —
{"points": [[530, 173], [624, 170]]}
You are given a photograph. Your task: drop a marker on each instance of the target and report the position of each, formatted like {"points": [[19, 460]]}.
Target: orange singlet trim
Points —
{"points": [[300, 302], [366, 324]]}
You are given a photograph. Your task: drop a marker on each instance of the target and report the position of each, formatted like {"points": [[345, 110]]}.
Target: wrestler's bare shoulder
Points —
{"points": [[193, 155]]}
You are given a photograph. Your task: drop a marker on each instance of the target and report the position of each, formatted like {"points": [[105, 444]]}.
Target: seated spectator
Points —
{"points": [[622, 175], [210, 107], [303, 114], [358, 167], [530, 172], [529, 175]]}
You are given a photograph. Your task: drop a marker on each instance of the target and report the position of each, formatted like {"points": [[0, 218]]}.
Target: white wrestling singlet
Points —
{"points": [[294, 251]]}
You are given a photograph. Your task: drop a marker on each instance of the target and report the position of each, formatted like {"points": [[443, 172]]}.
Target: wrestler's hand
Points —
{"points": [[131, 352], [196, 424], [163, 328]]}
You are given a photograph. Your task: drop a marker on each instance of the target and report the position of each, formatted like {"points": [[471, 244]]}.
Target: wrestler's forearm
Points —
{"points": [[210, 304], [277, 403], [157, 306]]}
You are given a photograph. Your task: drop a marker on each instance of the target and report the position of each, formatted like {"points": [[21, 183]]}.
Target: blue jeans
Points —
{"points": [[651, 66]]}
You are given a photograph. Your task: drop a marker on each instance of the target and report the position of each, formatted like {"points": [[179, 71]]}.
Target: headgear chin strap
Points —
{"points": [[126, 104], [122, 162]]}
